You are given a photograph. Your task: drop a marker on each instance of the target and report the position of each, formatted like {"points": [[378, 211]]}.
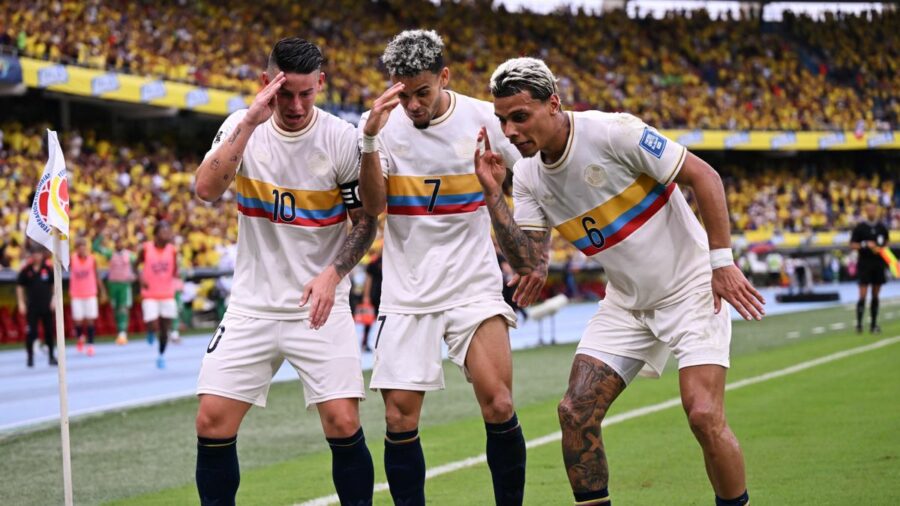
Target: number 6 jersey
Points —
{"points": [[612, 194], [438, 251], [293, 192]]}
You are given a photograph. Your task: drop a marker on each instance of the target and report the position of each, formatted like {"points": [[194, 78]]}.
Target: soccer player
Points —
{"points": [[158, 263], [441, 278], [120, 278], [84, 284], [868, 237], [297, 170], [609, 184]]}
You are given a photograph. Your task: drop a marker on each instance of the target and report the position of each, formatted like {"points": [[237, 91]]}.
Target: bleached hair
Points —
{"points": [[414, 51], [523, 74]]}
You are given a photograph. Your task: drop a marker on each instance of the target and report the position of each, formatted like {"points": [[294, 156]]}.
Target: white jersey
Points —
{"points": [[612, 194], [438, 251], [293, 190]]}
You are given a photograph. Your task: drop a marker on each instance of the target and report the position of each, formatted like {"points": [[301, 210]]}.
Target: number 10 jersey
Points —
{"points": [[293, 189]]}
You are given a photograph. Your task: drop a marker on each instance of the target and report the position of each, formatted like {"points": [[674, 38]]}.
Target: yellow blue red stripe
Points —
{"points": [[425, 195], [305, 208], [613, 221]]}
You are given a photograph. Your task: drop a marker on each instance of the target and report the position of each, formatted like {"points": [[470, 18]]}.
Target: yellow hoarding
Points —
{"points": [[128, 88]]}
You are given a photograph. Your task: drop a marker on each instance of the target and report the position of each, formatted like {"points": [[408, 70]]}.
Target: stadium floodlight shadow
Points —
{"points": [[544, 310]]}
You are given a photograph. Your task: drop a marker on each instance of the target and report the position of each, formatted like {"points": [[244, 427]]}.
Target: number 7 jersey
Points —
{"points": [[438, 251], [612, 194]]}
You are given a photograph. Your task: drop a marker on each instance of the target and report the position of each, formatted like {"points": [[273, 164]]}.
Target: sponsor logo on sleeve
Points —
{"points": [[653, 142]]}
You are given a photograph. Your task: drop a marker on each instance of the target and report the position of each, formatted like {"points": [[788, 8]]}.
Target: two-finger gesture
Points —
{"points": [[264, 104], [381, 110], [489, 166], [730, 284]]}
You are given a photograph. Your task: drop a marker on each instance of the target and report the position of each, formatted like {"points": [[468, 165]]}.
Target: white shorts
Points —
{"points": [[84, 309], [408, 346], [244, 354], [155, 309], [690, 329]]}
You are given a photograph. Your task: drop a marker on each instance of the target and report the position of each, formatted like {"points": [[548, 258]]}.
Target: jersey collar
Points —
{"points": [[295, 136], [565, 156]]}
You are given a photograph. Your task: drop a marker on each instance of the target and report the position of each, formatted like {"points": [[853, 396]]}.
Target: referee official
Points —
{"points": [[868, 238]]}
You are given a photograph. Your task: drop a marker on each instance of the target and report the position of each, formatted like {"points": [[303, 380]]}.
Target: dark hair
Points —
{"points": [[161, 224], [296, 55]]}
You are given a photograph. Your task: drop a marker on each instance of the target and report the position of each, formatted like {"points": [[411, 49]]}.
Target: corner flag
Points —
{"points": [[50, 208], [891, 261]]}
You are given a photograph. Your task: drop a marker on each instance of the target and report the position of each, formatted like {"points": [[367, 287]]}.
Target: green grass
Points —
{"points": [[826, 435]]}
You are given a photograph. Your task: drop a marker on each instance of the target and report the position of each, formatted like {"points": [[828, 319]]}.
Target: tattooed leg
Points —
{"points": [[593, 386]]}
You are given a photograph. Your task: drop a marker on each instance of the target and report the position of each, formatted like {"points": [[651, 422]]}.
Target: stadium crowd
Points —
{"points": [[685, 70], [119, 189]]}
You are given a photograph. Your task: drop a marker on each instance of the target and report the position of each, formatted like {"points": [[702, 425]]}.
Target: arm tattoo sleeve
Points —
{"points": [[524, 250], [358, 241]]}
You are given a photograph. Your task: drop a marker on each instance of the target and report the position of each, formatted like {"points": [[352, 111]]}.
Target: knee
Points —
{"points": [[573, 414], [340, 424], [399, 419], [498, 408], [213, 425], [706, 420]]}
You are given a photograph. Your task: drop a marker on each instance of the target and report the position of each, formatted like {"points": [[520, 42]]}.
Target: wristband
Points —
{"points": [[722, 257], [369, 144]]}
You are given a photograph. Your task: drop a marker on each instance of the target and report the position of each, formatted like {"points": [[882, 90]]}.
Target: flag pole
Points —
{"points": [[61, 354]]}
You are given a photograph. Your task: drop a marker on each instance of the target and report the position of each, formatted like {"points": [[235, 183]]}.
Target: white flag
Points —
{"points": [[51, 202]]}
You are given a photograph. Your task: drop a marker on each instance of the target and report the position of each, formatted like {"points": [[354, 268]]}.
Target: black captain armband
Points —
{"points": [[350, 194]]}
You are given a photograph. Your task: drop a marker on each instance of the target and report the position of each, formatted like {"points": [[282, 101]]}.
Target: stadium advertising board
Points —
{"points": [[128, 88], [708, 140]]}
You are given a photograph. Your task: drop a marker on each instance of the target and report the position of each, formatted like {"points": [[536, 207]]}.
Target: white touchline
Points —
{"points": [[634, 413]]}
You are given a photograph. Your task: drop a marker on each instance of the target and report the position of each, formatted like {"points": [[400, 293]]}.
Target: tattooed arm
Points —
{"points": [[527, 251], [320, 291], [217, 171]]}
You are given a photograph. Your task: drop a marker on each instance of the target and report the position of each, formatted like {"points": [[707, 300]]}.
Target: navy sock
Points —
{"points": [[595, 497], [352, 469], [874, 313], [90, 334], [506, 459], [79, 331], [218, 473], [860, 310], [740, 500], [404, 464]]}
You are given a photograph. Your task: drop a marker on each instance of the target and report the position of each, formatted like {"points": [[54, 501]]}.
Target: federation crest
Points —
{"points": [[594, 175]]}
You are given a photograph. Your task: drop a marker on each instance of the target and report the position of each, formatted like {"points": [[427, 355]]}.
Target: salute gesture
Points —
{"points": [[263, 105], [381, 110]]}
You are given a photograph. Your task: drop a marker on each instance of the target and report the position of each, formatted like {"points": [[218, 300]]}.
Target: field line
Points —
{"points": [[635, 413]]}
